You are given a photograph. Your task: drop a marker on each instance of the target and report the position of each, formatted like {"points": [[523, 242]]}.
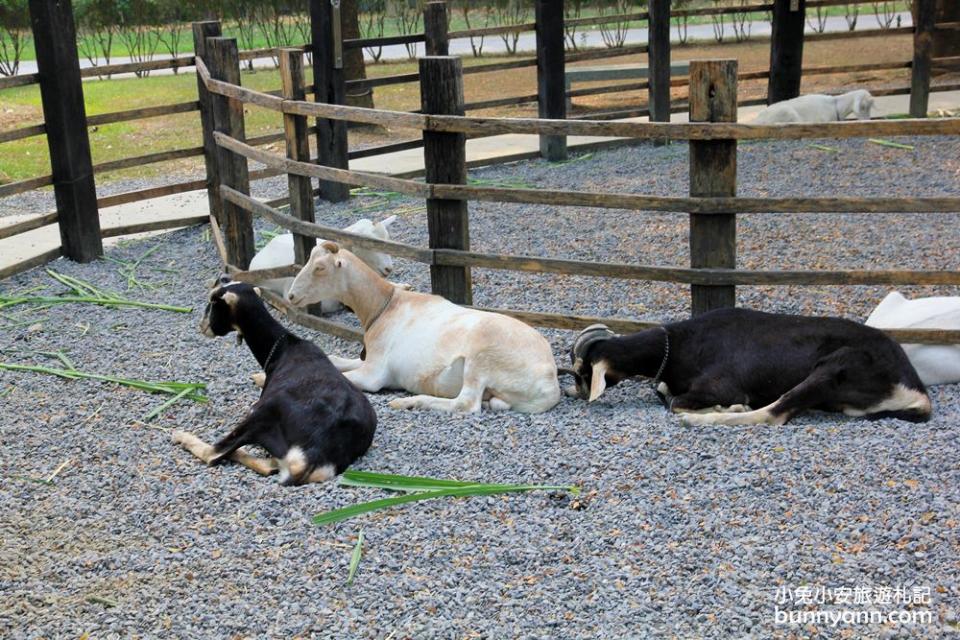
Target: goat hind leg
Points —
{"points": [[345, 364]]}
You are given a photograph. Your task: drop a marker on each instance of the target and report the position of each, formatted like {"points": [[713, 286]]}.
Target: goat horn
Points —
{"points": [[593, 333]]}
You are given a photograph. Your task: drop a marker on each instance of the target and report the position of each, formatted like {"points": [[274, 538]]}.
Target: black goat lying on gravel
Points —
{"points": [[718, 363], [311, 420]]}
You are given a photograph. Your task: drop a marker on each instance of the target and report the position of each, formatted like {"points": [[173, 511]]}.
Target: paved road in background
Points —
{"points": [[527, 42]]}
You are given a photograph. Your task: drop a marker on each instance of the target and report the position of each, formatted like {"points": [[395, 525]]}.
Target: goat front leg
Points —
{"points": [[345, 364], [368, 377]]}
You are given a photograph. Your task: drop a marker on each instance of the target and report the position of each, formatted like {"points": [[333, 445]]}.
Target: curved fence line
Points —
{"points": [[536, 126], [703, 205], [679, 275]]}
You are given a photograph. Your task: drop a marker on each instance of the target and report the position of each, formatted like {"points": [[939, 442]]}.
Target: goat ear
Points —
{"points": [[230, 298], [258, 291], [332, 247], [598, 382]]}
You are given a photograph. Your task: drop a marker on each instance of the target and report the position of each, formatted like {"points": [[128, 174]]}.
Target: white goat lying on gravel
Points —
{"points": [[456, 358], [935, 363], [818, 108], [279, 253]]}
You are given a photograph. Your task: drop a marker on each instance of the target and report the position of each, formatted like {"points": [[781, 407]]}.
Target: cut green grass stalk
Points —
{"points": [[194, 389], [166, 405], [823, 147], [419, 488], [355, 558], [894, 145]]}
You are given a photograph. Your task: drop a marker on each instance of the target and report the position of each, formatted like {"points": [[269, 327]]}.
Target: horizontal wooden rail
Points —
{"points": [[133, 67], [19, 81], [588, 199], [28, 225], [30, 263], [385, 41], [155, 225], [314, 230], [684, 275], [12, 188], [24, 132], [500, 102], [144, 112], [385, 148], [152, 192], [150, 158], [572, 322], [598, 20], [382, 81], [496, 126], [491, 31], [343, 176]]}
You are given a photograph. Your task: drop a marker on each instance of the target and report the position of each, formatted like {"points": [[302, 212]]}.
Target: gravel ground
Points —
{"points": [[679, 532]]}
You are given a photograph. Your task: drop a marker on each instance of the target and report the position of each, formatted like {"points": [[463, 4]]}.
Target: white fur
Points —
{"points": [[279, 253], [455, 358], [935, 364], [818, 108]]}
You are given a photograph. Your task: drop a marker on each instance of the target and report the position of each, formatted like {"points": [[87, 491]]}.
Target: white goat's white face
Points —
{"points": [[379, 262], [320, 279], [862, 105]]}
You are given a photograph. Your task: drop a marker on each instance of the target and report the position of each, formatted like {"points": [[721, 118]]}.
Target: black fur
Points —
{"points": [[305, 401], [738, 356]]}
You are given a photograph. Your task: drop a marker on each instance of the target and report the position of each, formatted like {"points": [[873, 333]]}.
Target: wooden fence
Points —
{"points": [[713, 134], [66, 122]]}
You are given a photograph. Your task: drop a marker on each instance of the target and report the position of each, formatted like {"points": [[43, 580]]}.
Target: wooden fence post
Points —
{"points": [[713, 173], [551, 69], [435, 26], [786, 50], [202, 31], [224, 64], [329, 87], [298, 148], [924, 13], [65, 118], [659, 60], [445, 160], [946, 36]]}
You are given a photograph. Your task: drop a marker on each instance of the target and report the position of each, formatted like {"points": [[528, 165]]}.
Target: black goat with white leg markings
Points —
{"points": [[310, 419], [715, 367]]}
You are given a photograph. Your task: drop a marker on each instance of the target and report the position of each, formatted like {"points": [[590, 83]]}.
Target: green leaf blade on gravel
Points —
{"points": [[338, 515], [355, 558], [891, 144]]}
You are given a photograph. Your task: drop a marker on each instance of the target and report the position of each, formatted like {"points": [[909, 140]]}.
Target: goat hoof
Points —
{"points": [[692, 419], [403, 403]]}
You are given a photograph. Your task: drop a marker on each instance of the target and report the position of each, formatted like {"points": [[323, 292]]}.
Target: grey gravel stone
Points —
{"points": [[678, 532]]}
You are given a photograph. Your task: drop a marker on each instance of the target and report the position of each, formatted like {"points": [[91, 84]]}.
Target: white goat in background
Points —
{"points": [[279, 253], [456, 358], [935, 363], [818, 108]]}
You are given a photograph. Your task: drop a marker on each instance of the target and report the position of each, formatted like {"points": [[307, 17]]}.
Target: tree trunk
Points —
{"points": [[353, 64]]}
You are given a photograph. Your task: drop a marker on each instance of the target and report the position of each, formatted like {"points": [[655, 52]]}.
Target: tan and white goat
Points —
{"points": [[454, 358]]}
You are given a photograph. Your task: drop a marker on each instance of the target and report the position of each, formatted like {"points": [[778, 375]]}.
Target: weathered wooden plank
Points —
{"points": [[152, 192], [313, 322], [344, 176], [133, 67], [315, 230], [29, 224], [24, 132], [61, 91], [12, 188], [145, 112], [382, 81], [572, 322], [360, 43], [19, 81], [155, 225], [298, 148], [551, 66], [445, 161], [691, 276], [786, 50], [30, 263], [224, 65], [713, 173], [150, 158]]}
